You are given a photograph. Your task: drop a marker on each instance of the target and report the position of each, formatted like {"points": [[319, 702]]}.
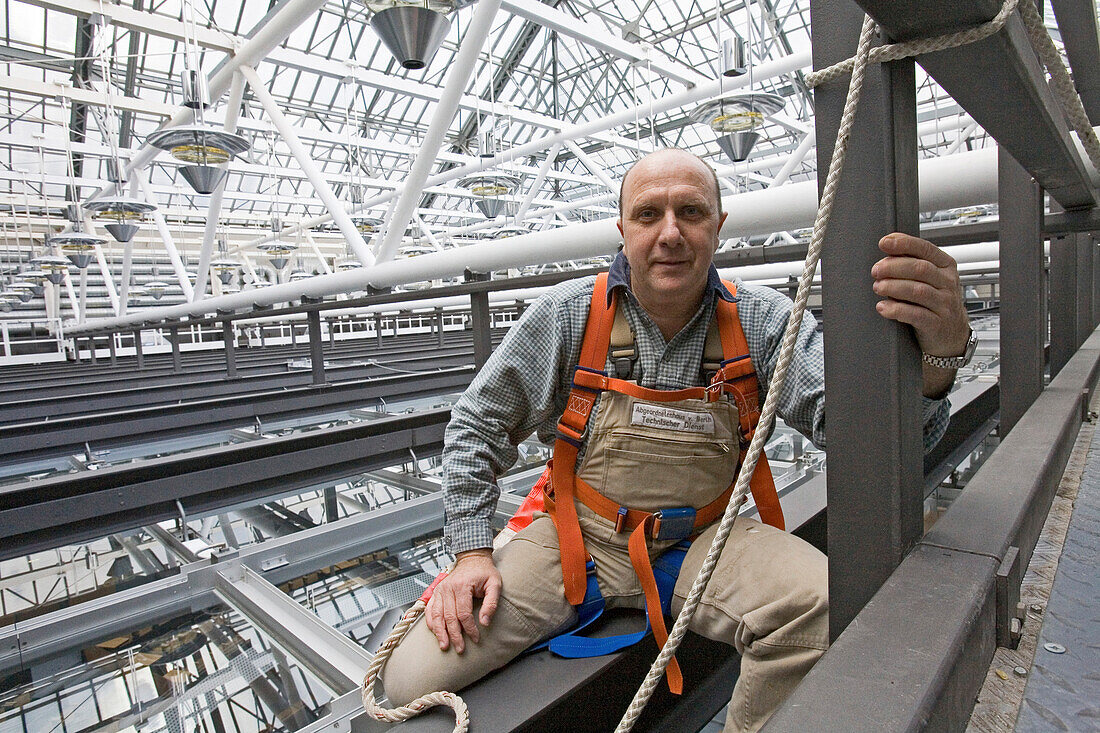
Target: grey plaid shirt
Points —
{"points": [[524, 385]]}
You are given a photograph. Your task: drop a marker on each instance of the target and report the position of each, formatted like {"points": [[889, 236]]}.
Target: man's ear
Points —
{"points": [[619, 224], [721, 221]]}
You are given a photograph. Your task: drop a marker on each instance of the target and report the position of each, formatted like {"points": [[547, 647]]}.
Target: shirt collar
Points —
{"points": [[619, 276]]}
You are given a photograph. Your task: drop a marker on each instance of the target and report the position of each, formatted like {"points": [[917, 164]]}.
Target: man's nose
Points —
{"points": [[670, 229]]}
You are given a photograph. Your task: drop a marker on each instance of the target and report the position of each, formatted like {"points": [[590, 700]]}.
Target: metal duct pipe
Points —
{"points": [[967, 179]]}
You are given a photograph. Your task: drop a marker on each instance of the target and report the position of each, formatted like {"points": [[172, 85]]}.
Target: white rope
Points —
{"points": [[420, 704], [1075, 113], [856, 65], [1060, 81], [767, 416]]}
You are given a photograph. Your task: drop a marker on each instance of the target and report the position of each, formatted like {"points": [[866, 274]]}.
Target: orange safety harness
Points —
{"points": [[734, 376]]}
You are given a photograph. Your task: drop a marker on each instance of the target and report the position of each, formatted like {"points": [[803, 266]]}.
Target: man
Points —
{"points": [[768, 595]]}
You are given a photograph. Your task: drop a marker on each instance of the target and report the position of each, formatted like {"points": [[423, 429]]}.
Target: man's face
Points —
{"points": [[669, 224]]}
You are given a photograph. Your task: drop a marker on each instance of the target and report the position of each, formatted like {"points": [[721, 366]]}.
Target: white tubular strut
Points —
{"points": [[420, 704], [1075, 113], [767, 416]]}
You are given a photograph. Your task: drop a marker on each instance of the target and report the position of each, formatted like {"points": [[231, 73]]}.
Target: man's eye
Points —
{"points": [[646, 214]]}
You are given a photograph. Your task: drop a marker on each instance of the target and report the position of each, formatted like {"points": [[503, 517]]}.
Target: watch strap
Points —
{"points": [[953, 362]]}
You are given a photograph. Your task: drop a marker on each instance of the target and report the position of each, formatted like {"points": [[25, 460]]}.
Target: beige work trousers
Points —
{"points": [[768, 598]]}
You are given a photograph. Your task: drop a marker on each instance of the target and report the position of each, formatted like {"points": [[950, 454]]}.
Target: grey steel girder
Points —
{"points": [[27, 441], [915, 658], [1077, 25], [192, 589], [82, 506], [872, 365], [998, 81]]}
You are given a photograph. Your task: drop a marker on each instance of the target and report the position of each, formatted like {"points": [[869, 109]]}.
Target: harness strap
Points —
{"points": [[622, 350], [739, 373], [639, 558], [570, 644], [626, 520], [734, 376], [571, 427]]}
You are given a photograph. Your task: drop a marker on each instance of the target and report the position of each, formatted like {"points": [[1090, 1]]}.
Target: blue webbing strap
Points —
{"points": [[665, 570]]}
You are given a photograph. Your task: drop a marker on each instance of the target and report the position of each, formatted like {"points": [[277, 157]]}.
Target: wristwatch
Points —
{"points": [[953, 362]]}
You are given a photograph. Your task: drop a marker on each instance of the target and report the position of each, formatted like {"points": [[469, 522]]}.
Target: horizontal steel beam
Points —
{"points": [[52, 438], [43, 404], [1077, 26], [330, 656], [915, 657], [74, 508], [70, 629], [1000, 82]]}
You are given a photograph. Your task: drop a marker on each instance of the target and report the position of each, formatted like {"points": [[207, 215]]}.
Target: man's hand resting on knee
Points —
{"points": [[450, 612]]}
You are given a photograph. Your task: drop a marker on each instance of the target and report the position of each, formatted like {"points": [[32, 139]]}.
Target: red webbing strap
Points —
{"points": [[745, 388], [639, 558], [601, 382], [597, 338], [533, 503]]}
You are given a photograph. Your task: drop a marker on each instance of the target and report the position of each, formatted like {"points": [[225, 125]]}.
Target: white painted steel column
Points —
{"points": [[591, 165], [461, 68], [248, 266], [317, 253], [232, 111], [768, 70], [82, 316], [107, 279], [124, 286], [71, 292], [427, 232], [799, 154], [166, 235], [265, 39], [320, 186], [539, 180]]}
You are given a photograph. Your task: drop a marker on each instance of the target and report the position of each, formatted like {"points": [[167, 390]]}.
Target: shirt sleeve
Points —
{"points": [[516, 393], [764, 313]]}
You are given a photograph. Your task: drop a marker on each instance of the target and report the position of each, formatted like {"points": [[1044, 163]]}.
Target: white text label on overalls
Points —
{"points": [[668, 418]]}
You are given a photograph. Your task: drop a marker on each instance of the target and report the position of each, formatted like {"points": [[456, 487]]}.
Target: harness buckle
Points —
{"points": [[673, 524], [714, 391]]}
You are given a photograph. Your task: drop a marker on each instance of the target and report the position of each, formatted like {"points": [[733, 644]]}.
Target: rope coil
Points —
{"points": [[1062, 85], [420, 704]]}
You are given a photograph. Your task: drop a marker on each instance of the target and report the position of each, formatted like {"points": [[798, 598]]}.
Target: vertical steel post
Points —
{"points": [[1023, 332], [1095, 249], [872, 364], [111, 347], [332, 506], [1083, 248], [378, 329], [316, 353], [91, 349], [174, 338], [439, 326], [479, 318], [1063, 300], [137, 349], [230, 349]]}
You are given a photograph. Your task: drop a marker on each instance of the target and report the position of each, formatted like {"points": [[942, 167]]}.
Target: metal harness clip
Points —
{"points": [[673, 524]]}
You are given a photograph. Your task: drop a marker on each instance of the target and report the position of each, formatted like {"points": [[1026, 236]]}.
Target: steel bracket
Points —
{"points": [[1010, 612]]}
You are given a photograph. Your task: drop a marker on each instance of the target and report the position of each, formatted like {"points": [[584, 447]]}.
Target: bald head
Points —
{"points": [[660, 157]]}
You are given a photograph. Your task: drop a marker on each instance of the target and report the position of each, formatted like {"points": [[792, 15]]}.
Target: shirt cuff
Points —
{"points": [[470, 533], [929, 406]]}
